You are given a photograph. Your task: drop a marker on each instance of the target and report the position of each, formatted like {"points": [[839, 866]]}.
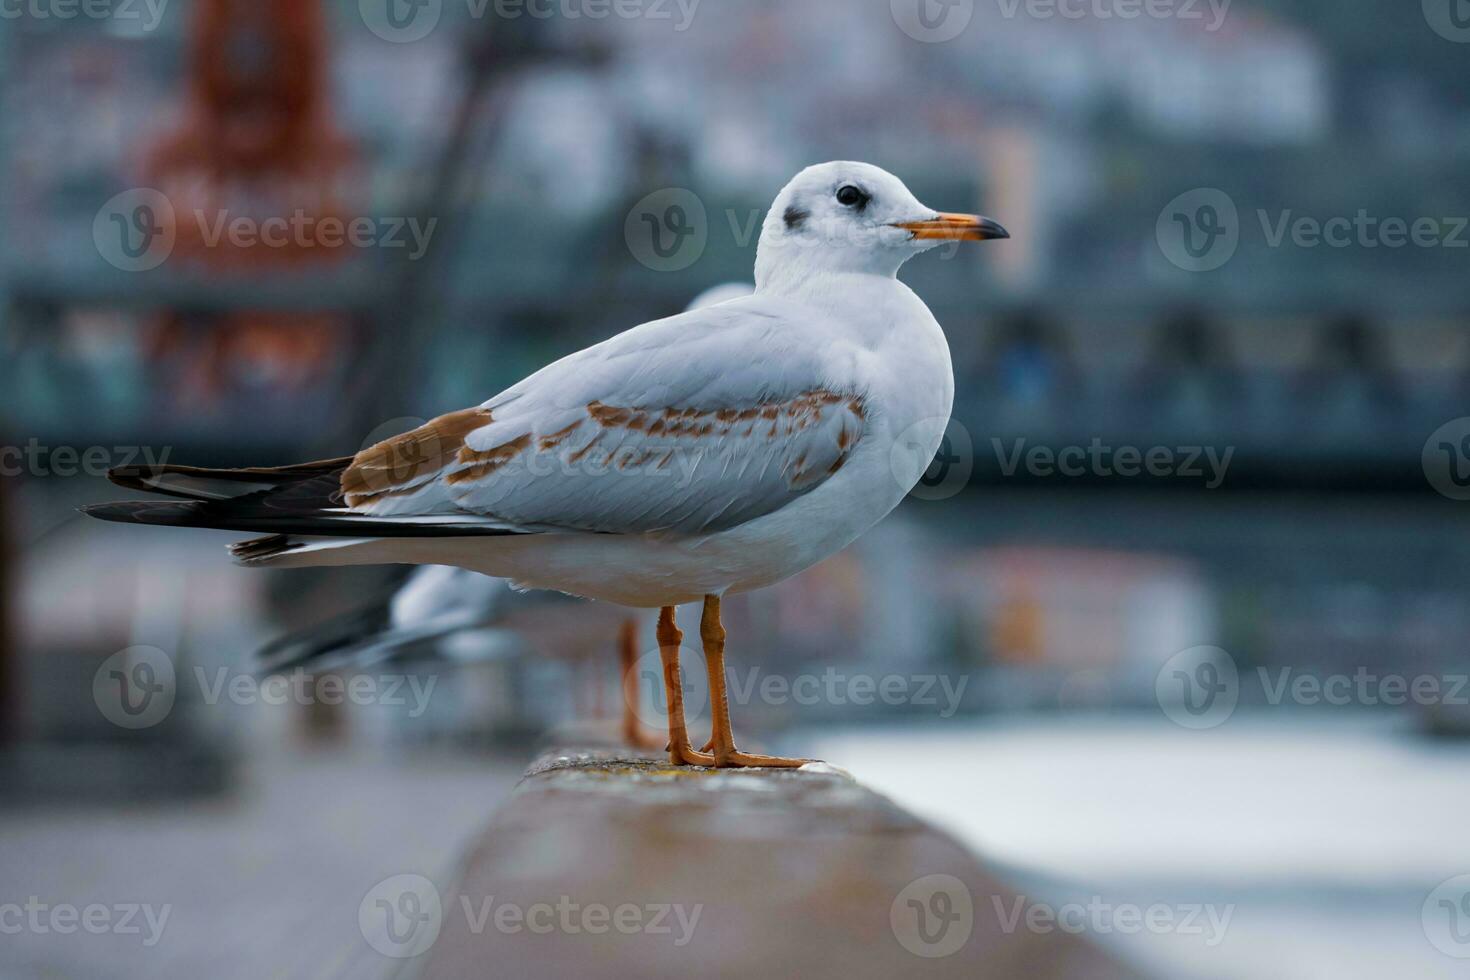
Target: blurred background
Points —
{"points": [[1178, 615]]}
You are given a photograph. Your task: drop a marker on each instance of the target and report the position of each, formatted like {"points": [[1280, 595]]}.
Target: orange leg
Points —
{"points": [[634, 733], [722, 743], [669, 638]]}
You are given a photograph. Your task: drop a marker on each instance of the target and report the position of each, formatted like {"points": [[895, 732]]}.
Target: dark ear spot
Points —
{"points": [[795, 217]]}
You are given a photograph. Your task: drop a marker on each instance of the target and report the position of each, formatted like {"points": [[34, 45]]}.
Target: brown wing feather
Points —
{"points": [[400, 464]]}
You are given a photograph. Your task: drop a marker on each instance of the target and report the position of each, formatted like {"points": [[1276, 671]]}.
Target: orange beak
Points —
{"points": [[955, 228]]}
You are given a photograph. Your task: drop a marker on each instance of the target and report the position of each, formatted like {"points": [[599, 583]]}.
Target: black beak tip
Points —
{"points": [[994, 230]]}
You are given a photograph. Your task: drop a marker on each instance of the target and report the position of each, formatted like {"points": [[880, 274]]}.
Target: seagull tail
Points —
{"points": [[298, 509]]}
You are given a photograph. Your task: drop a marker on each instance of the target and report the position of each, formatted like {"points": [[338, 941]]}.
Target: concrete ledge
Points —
{"points": [[627, 867]]}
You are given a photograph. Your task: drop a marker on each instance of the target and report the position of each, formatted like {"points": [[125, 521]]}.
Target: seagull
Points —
{"points": [[707, 454], [446, 614]]}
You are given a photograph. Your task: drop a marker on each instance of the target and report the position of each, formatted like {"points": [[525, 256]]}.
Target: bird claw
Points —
{"points": [[732, 758], [684, 755]]}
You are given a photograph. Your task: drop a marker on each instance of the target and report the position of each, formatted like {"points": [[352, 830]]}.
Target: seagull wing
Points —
{"points": [[693, 424]]}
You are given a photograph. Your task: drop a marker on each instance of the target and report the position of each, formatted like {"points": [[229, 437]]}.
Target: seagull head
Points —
{"points": [[847, 217]]}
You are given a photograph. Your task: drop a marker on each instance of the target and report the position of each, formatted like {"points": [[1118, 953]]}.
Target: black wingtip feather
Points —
{"points": [[162, 512], [286, 500], [130, 477], [269, 546]]}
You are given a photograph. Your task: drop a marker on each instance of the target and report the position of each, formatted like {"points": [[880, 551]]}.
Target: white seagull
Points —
{"points": [[440, 614], [707, 454]]}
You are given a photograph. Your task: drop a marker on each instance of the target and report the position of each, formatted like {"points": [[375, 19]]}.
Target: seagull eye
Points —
{"points": [[849, 196]]}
